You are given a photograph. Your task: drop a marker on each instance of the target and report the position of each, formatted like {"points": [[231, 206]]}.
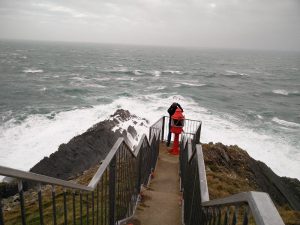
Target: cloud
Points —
{"points": [[60, 9], [206, 23]]}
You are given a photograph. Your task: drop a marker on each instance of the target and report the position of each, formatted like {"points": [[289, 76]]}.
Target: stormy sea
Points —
{"points": [[50, 92]]}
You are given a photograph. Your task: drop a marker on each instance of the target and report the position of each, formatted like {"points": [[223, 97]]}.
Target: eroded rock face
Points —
{"points": [[85, 150], [235, 163]]}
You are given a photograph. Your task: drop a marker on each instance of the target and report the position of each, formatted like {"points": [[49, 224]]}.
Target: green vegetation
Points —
{"points": [[227, 174]]}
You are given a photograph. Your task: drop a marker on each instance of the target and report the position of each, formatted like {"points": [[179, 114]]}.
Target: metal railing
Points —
{"points": [[243, 208], [190, 129], [113, 192], [111, 195]]}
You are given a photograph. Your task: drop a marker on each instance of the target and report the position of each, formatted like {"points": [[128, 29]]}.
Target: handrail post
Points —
{"points": [[40, 200], [163, 128], [139, 171], [1, 212], [22, 204], [112, 191], [150, 133]]}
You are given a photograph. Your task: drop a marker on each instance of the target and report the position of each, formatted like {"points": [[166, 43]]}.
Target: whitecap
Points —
{"points": [[43, 89], [124, 78], [156, 88], [234, 73], [81, 66], [137, 72], [193, 84], [285, 123], [231, 71], [156, 73], [173, 71], [259, 117], [19, 141], [33, 71], [280, 92], [78, 78], [95, 86], [122, 69], [102, 79]]}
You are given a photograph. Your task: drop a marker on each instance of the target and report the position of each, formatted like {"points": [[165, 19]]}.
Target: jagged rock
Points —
{"points": [[8, 189], [85, 150], [132, 131], [235, 163]]}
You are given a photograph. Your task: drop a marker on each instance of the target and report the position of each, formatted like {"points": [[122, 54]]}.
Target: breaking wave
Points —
{"points": [[18, 141], [285, 123], [284, 92], [33, 71], [193, 84], [234, 73]]}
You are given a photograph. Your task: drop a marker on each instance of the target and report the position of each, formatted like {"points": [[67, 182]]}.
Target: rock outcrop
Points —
{"points": [[86, 150], [236, 171]]}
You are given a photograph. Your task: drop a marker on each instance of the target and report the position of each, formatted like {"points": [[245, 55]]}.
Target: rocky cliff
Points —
{"points": [[231, 170], [88, 149]]}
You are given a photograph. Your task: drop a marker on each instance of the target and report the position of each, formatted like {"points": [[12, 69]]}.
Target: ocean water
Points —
{"points": [[50, 92]]}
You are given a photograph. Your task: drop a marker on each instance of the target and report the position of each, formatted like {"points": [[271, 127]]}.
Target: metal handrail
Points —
{"points": [[190, 128], [19, 174], [198, 209], [96, 178], [260, 203], [122, 195]]}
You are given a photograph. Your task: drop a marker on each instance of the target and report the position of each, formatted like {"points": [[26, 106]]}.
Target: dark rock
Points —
{"points": [[8, 189], [132, 131], [234, 160], [276, 186], [85, 150]]}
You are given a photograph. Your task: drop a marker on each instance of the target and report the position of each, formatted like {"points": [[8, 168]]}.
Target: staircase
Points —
{"points": [[145, 185]]}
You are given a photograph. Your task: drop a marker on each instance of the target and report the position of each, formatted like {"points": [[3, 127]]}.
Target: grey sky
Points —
{"points": [[266, 24]]}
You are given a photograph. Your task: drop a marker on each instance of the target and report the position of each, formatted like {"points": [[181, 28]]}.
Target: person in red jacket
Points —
{"points": [[171, 112]]}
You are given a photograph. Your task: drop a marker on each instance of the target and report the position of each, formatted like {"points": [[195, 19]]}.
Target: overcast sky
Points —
{"points": [[255, 24]]}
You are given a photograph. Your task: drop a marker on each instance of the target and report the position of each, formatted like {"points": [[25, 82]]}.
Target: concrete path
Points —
{"points": [[161, 200]]}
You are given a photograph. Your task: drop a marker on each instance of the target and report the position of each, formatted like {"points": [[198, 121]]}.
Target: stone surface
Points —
{"points": [[160, 204], [85, 150], [237, 164]]}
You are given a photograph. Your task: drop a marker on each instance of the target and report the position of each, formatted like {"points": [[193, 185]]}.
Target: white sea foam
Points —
{"points": [[284, 92], [23, 145], [43, 89], [102, 79], [156, 88], [137, 72], [119, 69], [33, 71], [193, 84], [95, 85], [173, 71], [156, 73], [234, 73], [280, 92], [259, 117], [285, 123], [124, 78], [78, 78]]}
